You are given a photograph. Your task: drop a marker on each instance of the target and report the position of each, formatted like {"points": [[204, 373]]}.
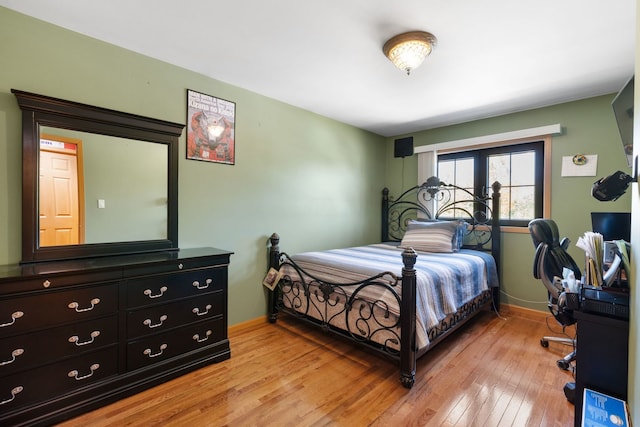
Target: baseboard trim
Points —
{"points": [[527, 313], [247, 324]]}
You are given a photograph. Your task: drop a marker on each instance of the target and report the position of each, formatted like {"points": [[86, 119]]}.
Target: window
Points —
{"points": [[519, 168]]}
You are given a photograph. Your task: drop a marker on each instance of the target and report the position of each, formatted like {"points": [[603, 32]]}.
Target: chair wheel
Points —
{"points": [[563, 364], [570, 391], [544, 343]]}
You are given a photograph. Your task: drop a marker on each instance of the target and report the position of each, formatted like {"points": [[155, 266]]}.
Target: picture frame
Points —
{"points": [[272, 278], [210, 128]]}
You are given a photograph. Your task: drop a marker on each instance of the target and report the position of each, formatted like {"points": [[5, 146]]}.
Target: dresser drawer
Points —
{"points": [[163, 317], [167, 287], [23, 314], [215, 258], [57, 379], [37, 348], [48, 276], [157, 348]]}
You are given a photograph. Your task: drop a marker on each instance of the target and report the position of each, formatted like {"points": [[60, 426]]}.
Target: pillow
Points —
{"points": [[432, 236], [461, 231]]}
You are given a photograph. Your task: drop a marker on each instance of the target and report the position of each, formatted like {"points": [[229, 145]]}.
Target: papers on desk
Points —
{"points": [[601, 410], [593, 246]]}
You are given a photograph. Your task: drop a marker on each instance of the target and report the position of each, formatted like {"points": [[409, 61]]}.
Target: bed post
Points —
{"points": [[384, 227], [274, 262], [495, 238], [408, 319]]}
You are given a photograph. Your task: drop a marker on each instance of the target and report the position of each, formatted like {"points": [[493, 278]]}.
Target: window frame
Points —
{"points": [[546, 172]]}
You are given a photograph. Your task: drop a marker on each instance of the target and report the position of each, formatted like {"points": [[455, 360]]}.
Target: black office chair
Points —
{"points": [[550, 258]]}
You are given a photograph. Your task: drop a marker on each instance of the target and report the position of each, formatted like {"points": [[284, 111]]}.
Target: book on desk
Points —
{"points": [[601, 410]]}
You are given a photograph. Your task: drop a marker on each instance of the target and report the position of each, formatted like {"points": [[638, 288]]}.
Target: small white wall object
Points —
{"points": [[580, 165]]}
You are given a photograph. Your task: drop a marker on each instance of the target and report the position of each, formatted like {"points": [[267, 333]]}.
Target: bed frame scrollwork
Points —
{"points": [[368, 322]]}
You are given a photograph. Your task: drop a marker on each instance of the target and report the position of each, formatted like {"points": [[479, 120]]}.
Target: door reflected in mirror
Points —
{"points": [[100, 189], [61, 199]]}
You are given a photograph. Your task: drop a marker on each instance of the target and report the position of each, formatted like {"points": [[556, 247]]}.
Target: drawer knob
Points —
{"points": [[148, 323], [76, 340], [14, 391], [150, 294], [46, 283], [197, 312], [15, 353], [76, 306], [180, 266], [147, 352], [197, 338], [14, 316], [205, 286], [74, 373]]}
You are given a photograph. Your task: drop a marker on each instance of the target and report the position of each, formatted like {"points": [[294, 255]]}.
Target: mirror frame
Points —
{"points": [[39, 110]]}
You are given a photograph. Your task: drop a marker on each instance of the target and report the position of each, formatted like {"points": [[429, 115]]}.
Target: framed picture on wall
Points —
{"points": [[210, 128]]}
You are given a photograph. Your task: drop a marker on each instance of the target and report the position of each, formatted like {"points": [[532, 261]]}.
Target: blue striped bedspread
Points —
{"points": [[445, 281]]}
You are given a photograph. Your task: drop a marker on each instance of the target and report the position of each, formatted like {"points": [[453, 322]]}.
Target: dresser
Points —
{"points": [[76, 335]]}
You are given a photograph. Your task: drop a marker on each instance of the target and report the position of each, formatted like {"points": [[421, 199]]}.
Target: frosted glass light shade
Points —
{"points": [[407, 51]]}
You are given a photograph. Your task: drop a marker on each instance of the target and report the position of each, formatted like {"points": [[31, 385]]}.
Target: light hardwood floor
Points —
{"points": [[492, 372]]}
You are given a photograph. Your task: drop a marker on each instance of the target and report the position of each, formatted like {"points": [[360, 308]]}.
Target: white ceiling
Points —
{"points": [[493, 56]]}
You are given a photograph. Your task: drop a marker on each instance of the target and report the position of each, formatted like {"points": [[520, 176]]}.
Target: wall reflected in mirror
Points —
{"points": [[100, 189]]}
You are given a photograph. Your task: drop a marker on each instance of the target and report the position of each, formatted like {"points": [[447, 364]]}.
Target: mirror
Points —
{"points": [[123, 168], [91, 185]]}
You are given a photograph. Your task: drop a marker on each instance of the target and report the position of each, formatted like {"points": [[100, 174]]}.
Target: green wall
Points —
{"points": [[315, 181], [130, 176], [588, 127]]}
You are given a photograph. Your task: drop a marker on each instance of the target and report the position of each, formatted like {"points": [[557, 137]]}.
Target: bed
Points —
{"points": [[435, 268]]}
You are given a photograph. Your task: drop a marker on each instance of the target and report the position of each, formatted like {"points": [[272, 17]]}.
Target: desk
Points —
{"points": [[601, 357]]}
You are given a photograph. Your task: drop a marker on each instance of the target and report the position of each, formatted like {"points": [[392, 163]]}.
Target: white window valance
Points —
{"points": [[428, 154]]}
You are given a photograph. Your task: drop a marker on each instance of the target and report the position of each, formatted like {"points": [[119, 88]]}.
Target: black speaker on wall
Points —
{"points": [[403, 147]]}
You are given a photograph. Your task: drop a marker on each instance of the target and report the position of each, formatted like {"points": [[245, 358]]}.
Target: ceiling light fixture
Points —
{"points": [[408, 50]]}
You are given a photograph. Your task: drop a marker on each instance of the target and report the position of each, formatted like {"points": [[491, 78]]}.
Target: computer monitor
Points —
{"points": [[612, 225]]}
